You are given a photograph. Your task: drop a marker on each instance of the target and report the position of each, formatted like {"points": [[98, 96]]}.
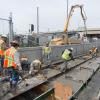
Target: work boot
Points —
{"points": [[0, 74], [13, 87], [64, 69]]}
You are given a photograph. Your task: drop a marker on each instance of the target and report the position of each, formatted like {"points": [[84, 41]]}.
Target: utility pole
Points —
{"points": [[37, 19], [10, 27]]}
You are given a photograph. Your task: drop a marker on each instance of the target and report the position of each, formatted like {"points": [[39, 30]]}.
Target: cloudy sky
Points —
{"points": [[52, 14]]}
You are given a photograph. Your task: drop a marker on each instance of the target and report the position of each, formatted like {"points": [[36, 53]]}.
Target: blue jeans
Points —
{"points": [[14, 76], [1, 64]]}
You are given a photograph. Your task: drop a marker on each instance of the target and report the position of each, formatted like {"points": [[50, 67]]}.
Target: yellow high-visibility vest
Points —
{"points": [[47, 50], [65, 55]]}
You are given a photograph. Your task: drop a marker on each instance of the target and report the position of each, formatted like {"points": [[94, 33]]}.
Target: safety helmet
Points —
{"points": [[71, 48], [3, 36], [47, 44], [93, 46]]}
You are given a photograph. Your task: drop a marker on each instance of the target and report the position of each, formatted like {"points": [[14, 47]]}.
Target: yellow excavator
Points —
{"points": [[64, 39]]}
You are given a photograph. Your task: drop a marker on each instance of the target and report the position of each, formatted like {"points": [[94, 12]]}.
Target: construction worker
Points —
{"points": [[93, 51], [46, 52], [2, 49], [25, 64], [12, 63], [66, 55], [35, 66]]}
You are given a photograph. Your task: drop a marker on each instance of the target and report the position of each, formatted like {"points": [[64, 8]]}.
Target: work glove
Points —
{"points": [[30, 72], [20, 68]]}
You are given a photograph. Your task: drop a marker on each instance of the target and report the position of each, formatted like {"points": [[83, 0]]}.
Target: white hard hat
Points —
{"points": [[3, 35], [93, 45], [71, 48]]}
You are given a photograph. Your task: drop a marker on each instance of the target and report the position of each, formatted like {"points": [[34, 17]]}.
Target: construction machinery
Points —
{"points": [[64, 39]]}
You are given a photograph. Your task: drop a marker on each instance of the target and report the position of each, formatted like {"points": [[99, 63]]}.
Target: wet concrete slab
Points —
{"points": [[71, 63], [92, 89], [75, 62], [84, 71], [80, 75], [77, 75], [67, 81], [91, 65], [24, 86], [51, 72]]}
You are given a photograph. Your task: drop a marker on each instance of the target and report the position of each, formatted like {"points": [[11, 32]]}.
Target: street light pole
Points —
{"points": [[10, 28], [37, 19]]}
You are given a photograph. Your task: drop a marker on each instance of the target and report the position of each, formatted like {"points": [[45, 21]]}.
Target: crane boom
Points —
{"points": [[65, 39], [70, 14]]}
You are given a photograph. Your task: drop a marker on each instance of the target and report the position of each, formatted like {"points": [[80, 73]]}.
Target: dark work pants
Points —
{"points": [[14, 76], [1, 64], [64, 67]]}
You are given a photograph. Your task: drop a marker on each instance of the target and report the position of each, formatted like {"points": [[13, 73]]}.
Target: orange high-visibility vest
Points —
{"points": [[1, 52], [95, 50], [1, 49], [9, 58]]}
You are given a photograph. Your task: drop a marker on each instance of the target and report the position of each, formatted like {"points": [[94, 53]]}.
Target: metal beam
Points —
{"points": [[4, 19]]}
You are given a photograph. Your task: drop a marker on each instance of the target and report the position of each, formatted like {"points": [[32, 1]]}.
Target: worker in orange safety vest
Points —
{"points": [[12, 63], [93, 51], [2, 49]]}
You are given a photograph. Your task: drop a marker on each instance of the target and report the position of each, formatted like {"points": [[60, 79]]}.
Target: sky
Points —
{"points": [[52, 14]]}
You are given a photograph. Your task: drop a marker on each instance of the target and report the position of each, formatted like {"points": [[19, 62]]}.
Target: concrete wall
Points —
{"points": [[36, 52]]}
